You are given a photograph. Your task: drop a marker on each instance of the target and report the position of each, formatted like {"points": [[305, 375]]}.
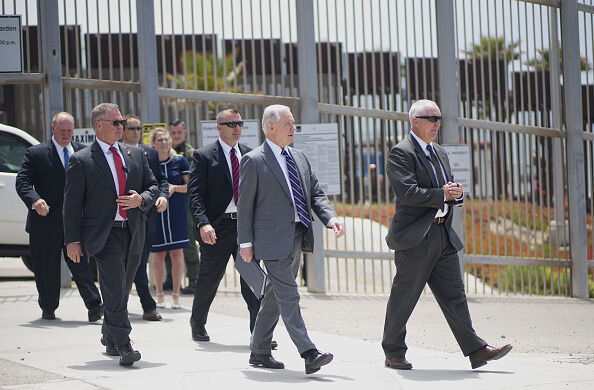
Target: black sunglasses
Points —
{"points": [[134, 128], [115, 122], [232, 124], [430, 118]]}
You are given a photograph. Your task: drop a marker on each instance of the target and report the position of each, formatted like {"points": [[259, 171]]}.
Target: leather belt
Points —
{"points": [[230, 216], [439, 220], [120, 224]]}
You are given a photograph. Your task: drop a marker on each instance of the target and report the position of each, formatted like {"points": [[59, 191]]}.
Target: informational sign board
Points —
{"points": [[250, 133], [84, 136], [146, 131], [319, 141], [459, 156], [11, 46]]}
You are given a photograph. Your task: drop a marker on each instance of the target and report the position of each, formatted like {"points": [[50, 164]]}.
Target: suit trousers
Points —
{"points": [[282, 297], [435, 262], [213, 262], [46, 259], [141, 277], [113, 275]]}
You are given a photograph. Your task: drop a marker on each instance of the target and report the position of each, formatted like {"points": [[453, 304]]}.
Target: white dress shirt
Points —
{"points": [[109, 157], [231, 207], [282, 162], [60, 149]]}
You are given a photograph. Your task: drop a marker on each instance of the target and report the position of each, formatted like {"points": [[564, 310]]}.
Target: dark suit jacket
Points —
{"points": [[418, 195], [152, 157], [42, 177], [265, 211], [210, 187], [90, 195]]}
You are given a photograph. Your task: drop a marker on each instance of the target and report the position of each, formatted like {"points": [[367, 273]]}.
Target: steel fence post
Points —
{"points": [[147, 61]]}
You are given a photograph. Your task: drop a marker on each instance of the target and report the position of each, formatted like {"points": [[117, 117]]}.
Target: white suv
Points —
{"points": [[14, 241]]}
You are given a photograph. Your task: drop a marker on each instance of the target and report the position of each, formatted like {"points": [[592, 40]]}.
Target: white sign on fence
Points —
{"points": [[11, 57], [250, 133], [319, 141], [84, 136], [459, 156]]}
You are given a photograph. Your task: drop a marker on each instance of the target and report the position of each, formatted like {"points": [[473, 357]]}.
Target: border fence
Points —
{"points": [[513, 78]]}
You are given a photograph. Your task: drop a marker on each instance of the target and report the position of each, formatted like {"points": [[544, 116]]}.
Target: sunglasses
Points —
{"points": [[430, 118], [115, 122], [134, 128], [232, 124]]}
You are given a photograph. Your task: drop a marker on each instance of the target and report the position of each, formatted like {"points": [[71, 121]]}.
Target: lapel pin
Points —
{"points": [[128, 152]]}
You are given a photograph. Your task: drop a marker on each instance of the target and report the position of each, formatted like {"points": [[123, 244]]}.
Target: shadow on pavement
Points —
{"points": [[113, 365], [289, 376], [445, 375], [210, 346], [58, 323]]}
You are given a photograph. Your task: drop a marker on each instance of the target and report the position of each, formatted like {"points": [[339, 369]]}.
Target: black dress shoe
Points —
{"points": [[189, 290], [273, 345], [96, 313], [128, 355], [48, 315], [314, 360], [110, 348], [151, 315], [399, 363], [266, 361], [199, 332], [481, 356]]}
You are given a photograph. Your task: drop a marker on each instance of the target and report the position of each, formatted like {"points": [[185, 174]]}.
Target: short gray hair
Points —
{"points": [[63, 114], [99, 112], [272, 115], [224, 113], [418, 106]]}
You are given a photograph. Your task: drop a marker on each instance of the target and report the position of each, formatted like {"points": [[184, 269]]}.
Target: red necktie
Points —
{"points": [[235, 171], [121, 177]]}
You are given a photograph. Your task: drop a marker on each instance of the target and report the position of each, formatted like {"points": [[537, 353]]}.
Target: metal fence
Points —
{"points": [[511, 83]]}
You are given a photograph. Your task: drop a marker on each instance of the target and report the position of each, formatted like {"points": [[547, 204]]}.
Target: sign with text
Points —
{"points": [[250, 133], [459, 156], [11, 46], [319, 141], [146, 131], [83, 136]]}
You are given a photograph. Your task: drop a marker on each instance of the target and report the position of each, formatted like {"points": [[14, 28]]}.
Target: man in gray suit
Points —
{"points": [[277, 193], [426, 247]]}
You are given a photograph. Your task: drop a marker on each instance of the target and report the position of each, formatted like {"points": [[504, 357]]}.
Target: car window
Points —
{"points": [[12, 152]]}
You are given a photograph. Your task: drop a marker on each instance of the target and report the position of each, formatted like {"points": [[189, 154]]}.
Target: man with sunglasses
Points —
{"points": [[131, 136], [212, 195], [426, 247], [109, 189]]}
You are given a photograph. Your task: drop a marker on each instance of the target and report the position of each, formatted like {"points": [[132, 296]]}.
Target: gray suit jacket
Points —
{"points": [[265, 211], [418, 195], [90, 195]]}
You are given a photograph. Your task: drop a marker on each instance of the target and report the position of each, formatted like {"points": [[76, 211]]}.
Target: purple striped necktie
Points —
{"points": [[298, 196], [235, 172]]}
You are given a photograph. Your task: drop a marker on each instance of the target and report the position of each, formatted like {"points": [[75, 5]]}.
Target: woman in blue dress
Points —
{"points": [[171, 232]]}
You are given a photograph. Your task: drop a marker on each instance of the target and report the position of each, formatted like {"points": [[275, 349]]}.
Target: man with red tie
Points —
{"points": [[212, 195], [109, 189]]}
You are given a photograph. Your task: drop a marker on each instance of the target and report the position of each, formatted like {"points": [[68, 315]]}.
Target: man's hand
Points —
{"points": [[453, 191], [338, 227], [74, 251], [208, 234], [161, 204], [131, 201], [41, 207], [247, 254]]}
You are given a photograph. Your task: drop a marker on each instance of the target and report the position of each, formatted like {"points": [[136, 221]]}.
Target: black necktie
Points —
{"points": [[437, 165]]}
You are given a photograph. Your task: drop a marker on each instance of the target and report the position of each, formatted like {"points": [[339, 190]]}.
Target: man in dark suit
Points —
{"points": [[426, 247], [277, 193], [212, 196], [40, 184], [109, 189], [131, 136]]}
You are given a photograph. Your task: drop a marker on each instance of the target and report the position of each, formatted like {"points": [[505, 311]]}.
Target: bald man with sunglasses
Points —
{"points": [[425, 244]]}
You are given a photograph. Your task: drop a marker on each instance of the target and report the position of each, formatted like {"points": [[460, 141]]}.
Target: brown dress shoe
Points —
{"points": [[481, 356], [399, 363], [151, 315]]}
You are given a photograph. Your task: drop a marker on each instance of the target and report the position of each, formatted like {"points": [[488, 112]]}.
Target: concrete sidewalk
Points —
{"points": [[66, 354]]}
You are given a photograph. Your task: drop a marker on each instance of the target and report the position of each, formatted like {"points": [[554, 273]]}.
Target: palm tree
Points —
{"points": [[542, 61], [494, 48]]}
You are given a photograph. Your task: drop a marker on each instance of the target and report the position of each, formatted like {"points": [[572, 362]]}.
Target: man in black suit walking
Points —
{"points": [[40, 184], [131, 136], [212, 195], [426, 247], [109, 189]]}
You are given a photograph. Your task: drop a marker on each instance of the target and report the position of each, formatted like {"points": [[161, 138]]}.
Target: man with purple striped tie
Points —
{"points": [[277, 193], [212, 195]]}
